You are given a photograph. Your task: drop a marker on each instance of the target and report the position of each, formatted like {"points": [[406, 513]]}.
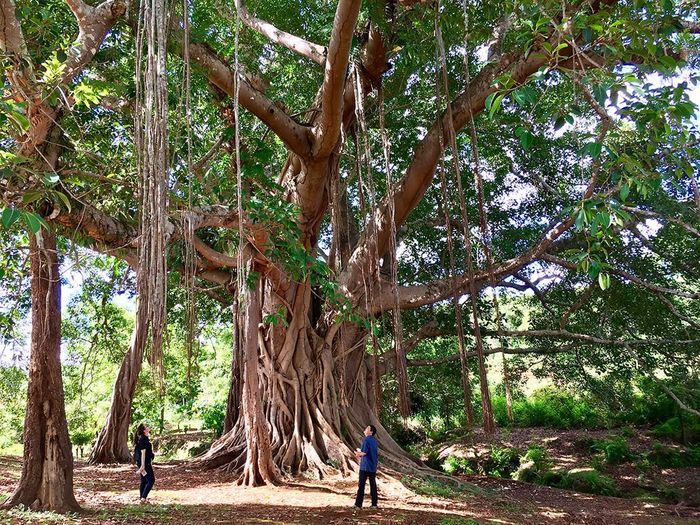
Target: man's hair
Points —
{"points": [[373, 429]]}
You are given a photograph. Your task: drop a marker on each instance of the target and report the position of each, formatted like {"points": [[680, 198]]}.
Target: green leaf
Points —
{"points": [[489, 100], [624, 192], [495, 105], [526, 138], [593, 149], [9, 216], [32, 196], [64, 199], [32, 221]]}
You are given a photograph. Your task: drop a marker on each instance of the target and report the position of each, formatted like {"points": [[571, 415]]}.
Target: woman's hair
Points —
{"points": [[139, 432]]}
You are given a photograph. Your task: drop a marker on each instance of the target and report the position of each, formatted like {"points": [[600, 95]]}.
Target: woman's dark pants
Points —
{"points": [[147, 482]]}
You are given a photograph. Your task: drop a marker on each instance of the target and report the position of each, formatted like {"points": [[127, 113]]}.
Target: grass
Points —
{"points": [[458, 521], [163, 512], [15, 449], [29, 516], [429, 487]]}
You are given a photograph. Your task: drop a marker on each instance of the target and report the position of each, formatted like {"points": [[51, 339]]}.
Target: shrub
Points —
{"points": [[664, 456], [615, 450], [501, 462], [457, 465], [213, 417], [671, 429], [198, 449], [549, 407], [590, 481], [534, 465], [673, 457], [552, 478], [500, 412]]}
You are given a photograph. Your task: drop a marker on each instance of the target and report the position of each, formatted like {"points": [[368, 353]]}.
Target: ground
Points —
{"points": [[186, 496]]}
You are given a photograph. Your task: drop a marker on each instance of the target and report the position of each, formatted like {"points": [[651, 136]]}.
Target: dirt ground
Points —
{"points": [[185, 496]]}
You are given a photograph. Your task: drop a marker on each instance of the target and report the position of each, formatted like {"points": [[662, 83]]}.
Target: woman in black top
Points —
{"points": [[145, 455]]}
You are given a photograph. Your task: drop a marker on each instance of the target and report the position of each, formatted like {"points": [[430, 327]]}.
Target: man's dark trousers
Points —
{"points": [[372, 476]]}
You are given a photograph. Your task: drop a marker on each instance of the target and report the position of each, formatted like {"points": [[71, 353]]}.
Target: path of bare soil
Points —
{"points": [[185, 496]]}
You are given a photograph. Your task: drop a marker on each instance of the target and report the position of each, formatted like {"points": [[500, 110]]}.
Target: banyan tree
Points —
{"points": [[293, 157]]}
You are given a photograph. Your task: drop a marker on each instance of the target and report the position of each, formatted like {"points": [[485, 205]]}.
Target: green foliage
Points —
{"points": [[615, 450], [213, 417], [498, 461], [590, 481], [549, 407], [457, 465], [13, 390], [673, 456], [688, 432], [534, 466]]}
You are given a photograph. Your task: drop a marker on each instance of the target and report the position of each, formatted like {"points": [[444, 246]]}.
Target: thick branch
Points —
{"points": [[691, 25], [220, 259], [541, 350], [419, 175], [12, 44], [94, 23], [680, 403], [327, 131], [303, 47], [294, 135], [647, 213], [592, 339], [440, 289], [625, 275]]}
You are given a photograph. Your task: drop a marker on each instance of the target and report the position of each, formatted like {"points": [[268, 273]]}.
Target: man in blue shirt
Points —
{"points": [[369, 457]]}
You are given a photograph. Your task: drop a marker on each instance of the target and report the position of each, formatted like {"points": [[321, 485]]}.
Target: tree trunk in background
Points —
{"points": [[112, 445], [46, 482]]}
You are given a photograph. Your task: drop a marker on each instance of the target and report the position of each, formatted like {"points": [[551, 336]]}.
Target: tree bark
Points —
{"points": [[235, 392], [112, 444], [259, 468], [46, 482], [293, 396]]}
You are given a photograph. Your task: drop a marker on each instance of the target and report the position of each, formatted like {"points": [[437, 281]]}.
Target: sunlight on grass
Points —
{"points": [[162, 512], [25, 515], [458, 521], [15, 449], [429, 487]]}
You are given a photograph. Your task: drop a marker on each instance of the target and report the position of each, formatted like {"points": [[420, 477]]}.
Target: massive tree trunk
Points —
{"points": [[46, 482], [294, 397], [112, 445]]}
